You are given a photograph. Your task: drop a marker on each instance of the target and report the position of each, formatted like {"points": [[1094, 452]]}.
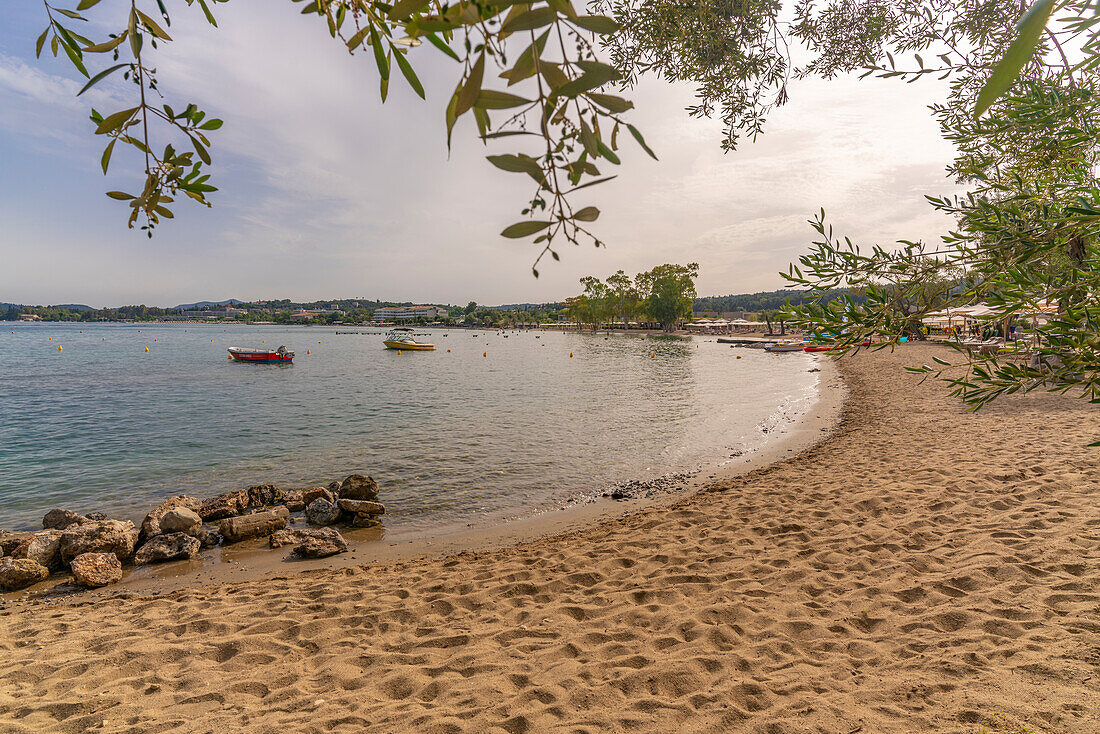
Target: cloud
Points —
{"points": [[325, 192]]}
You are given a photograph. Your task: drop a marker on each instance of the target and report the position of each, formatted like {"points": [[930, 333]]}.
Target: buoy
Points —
{"points": [[484, 354], [228, 355], [739, 356], [50, 338], [448, 351], [102, 339], [147, 349], [154, 340], [570, 355], [211, 341], [307, 351], [262, 341], [59, 347], [653, 356], [399, 352]]}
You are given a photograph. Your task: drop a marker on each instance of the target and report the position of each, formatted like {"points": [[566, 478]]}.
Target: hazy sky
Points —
{"points": [[326, 193]]}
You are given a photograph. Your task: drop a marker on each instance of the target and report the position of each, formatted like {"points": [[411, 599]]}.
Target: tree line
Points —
{"points": [[662, 296]]}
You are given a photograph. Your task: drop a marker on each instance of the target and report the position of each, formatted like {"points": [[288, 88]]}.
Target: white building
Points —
{"points": [[400, 313]]}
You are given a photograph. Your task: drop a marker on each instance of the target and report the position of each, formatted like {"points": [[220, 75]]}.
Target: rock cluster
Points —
{"points": [[94, 547]]}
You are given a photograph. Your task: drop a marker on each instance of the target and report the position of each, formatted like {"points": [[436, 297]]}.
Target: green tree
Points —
{"points": [[668, 292]]}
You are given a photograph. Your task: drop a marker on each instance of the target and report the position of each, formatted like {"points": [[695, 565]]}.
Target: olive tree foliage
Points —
{"points": [[1022, 112], [527, 72]]}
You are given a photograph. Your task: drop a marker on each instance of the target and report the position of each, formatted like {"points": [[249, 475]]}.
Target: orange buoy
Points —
{"points": [[307, 351], [59, 347], [484, 354], [147, 349], [50, 338], [653, 356], [570, 355], [448, 351], [739, 356]]}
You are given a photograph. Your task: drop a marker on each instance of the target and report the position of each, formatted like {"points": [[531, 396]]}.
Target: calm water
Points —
{"points": [[449, 435]]}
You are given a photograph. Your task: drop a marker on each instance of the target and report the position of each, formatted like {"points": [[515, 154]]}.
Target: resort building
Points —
{"points": [[404, 313]]}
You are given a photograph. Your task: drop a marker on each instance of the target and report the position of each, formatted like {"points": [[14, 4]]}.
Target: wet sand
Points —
{"points": [[922, 569]]}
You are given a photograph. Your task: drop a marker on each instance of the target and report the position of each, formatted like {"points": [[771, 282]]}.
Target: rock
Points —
{"points": [[334, 487], [97, 516], [43, 548], [19, 573], [293, 500], [224, 505], [61, 519], [322, 512], [208, 538], [296, 536], [321, 543], [234, 529], [167, 547], [10, 539], [317, 493], [96, 569], [361, 507], [264, 495], [181, 520], [150, 526], [359, 487], [106, 536], [365, 521]]}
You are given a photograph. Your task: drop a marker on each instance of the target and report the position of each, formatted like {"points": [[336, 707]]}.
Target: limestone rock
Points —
{"points": [[10, 539], [208, 538], [293, 500], [167, 547], [264, 495], [334, 488], [151, 525], [43, 548], [224, 505], [96, 569], [361, 507], [97, 516], [107, 536], [317, 493], [19, 573], [234, 529], [359, 487], [321, 547], [61, 519], [296, 536], [322, 512], [181, 520], [365, 521]]}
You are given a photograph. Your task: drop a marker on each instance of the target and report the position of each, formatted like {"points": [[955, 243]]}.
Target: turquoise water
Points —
{"points": [[450, 436]]}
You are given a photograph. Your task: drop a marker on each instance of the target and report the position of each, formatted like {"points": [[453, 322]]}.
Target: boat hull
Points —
{"points": [[406, 345], [260, 357]]}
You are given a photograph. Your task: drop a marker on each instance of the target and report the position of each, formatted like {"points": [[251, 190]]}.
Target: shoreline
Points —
{"points": [[925, 569], [253, 561]]}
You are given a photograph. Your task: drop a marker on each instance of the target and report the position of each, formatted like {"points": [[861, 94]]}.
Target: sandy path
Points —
{"points": [[923, 570]]}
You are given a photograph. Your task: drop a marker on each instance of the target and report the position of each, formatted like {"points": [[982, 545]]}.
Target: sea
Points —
{"points": [[116, 417]]}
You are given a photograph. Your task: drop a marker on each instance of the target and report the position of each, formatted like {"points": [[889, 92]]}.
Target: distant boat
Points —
{"points": [[784, 348], [402, 338], [242, 354]]}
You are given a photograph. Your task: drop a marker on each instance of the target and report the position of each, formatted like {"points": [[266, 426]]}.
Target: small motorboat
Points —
{"points": [[787, 347], [243, 354], [402, 338]]}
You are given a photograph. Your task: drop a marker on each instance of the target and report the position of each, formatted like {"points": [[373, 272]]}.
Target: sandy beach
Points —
{"points": [[923, 569]]}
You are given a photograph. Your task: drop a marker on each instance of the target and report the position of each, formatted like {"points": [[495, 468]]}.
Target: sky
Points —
{"points": [[327, 193]]}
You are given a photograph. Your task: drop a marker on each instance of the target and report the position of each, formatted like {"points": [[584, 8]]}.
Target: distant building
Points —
{"points": [[29, 317], [213, 313], [404, 313]]}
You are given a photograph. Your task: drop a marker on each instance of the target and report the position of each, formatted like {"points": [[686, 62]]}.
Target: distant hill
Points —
{"points": [[206, 304], [763, 301], [75, 306]]}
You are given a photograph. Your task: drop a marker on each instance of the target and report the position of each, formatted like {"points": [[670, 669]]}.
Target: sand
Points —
{"points": [[921, 570]]}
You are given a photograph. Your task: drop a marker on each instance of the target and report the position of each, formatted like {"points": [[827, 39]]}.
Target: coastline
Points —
{"points": [[254, 560], [924, 569]]}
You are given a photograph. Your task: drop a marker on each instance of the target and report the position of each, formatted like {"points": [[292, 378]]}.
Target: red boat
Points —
{"points": [[831, 347], [282, 354]]}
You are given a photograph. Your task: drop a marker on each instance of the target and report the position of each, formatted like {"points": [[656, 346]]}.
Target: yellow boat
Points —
{"points": [[402, 338]]}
